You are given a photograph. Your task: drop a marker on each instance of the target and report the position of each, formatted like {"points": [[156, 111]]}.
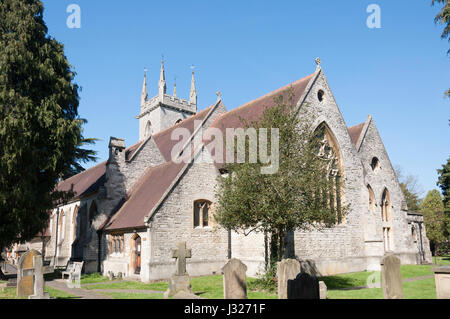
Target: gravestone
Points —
{"points": [[304, 286], [38, 272], [442, 279], [180, 281], [286, 269], [323, 290], [234, 279], [25, 284], [391, 277]]}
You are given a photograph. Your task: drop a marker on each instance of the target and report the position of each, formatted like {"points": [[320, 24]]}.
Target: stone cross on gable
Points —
{"points": [[181, 253], [38, 272]]}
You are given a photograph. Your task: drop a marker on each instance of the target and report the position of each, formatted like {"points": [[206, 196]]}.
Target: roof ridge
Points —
{"points": [[267, 94]]}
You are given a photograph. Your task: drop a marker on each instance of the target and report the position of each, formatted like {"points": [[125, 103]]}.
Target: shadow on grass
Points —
{"points": [[337, 282]]}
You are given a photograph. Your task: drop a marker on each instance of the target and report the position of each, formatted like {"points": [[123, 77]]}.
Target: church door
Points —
{"points": [[137, 255]]}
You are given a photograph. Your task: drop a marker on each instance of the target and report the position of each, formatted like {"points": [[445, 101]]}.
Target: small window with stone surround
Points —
{"points": [[375, 164], [115, 244], [320, 95], [202, 209]]}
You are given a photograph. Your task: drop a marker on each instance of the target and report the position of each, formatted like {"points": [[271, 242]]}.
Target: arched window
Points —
{"points": [[92, 212], [61, 226], [386, 218], [328, 150], [75, 223], [201, 213], [148, 129], [371, 199], [386, 206], [320, 95], [375, 164]]}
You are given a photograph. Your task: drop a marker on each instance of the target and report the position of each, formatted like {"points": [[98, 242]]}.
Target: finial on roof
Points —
{"points": [[162, 78], [318, 62], [219, 95], [193, 93], [144, 94], [175, 87]]}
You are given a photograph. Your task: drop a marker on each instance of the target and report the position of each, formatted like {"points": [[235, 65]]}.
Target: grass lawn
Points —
{"points": [[93, 278], [157, 286], [421, 289], [125, 295], [10, 293]]}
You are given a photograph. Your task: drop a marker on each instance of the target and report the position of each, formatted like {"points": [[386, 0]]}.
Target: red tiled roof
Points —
{"points": [[163, 139], [85, 182], [355, 132], [152, 186], [254, 110]]}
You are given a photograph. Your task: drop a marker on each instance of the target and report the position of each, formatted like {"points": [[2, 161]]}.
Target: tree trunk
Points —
{"points": [[2, 275]]}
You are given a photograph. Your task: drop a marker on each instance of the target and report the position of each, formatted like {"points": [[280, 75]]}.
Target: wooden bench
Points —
{"points": [[73, 270]]}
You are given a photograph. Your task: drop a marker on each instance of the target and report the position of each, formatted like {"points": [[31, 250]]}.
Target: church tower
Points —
{"points": [[163, 111]]}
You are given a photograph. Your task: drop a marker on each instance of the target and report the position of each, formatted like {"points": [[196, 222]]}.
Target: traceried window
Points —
{"points": [[331, 196], [115, 244], [202, 213]]}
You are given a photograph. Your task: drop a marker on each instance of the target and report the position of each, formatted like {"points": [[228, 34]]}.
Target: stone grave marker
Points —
{"points": [[391, 277], [30, 282], [286, 269], [234, 279], [304, 286], [25, 284], [442, 279], [323, 290], [180, 281]]}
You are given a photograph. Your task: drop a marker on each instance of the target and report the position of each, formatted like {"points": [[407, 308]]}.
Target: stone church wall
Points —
{"points": [[173, 223]]}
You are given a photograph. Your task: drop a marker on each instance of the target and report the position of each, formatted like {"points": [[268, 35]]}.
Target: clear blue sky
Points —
{"points": [[248, 48]]}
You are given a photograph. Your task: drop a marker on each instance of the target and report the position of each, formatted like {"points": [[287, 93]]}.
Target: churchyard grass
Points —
{"points": [[93, 278], [129, 285], [421, 289], [127, 295], [10, 293]]}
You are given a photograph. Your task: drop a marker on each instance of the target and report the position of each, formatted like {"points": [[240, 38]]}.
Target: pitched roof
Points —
{"points": [[152, 186], [254, 110], [85, 182], [355, 132], [163, 139]]}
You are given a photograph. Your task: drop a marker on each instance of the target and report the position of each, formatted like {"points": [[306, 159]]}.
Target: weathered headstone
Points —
{"points": [[234, 279], [180, 281], [323, 290], [442, 278], [25, 284], [304, 286], [38, 272], [286, 269], [391, 277]]}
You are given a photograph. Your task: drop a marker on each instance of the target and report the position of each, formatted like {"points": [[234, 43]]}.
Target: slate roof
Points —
{"points": [[150, 189], [254, 110], [355, 132]]}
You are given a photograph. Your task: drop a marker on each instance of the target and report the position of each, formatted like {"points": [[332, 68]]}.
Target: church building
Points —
{"points": [[130, 211]]}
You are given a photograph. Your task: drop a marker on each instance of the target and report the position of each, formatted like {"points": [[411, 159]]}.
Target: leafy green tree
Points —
{"points": [[437, 222], [410, 188], [443, 17], [303, 194], [444, 184], [39, 124], [82, 155]]}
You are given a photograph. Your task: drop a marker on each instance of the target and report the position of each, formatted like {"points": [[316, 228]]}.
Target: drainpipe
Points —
{"points": [[422, 254], [99, 257], [56, 237], [229, 244]]}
